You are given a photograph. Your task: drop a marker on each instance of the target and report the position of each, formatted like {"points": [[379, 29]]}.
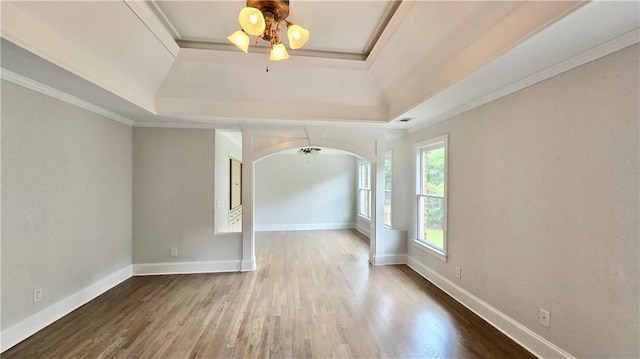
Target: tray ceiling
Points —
{"points": [[348, 27], [367, 64]]}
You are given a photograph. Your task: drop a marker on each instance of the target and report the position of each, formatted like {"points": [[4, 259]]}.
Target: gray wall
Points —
{"points": [[543, 205], [66, 200], [173, 204], [293, 194]]}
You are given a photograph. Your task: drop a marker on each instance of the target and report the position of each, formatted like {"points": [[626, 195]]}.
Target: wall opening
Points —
{"points": [[294, 191], [228, 181]]}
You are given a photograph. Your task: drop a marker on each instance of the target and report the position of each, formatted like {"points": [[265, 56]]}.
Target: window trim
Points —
{"points": [[362, 188], [389, 154], [419, 147]]}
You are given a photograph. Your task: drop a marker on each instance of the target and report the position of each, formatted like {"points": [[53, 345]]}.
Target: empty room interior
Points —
{"points": [[314, 179]]}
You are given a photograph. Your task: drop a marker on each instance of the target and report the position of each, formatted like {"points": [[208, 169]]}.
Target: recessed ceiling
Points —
{"points": [[349, 27], [367, 63]]}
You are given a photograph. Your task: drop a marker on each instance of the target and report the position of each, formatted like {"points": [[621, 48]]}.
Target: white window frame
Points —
{"points": [[362, 188], [388, 155], [431, 144]]}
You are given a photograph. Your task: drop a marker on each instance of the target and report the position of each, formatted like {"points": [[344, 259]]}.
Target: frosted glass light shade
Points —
{"points": [[240, 39], [278, 52], [298, 36], [252, 21]]}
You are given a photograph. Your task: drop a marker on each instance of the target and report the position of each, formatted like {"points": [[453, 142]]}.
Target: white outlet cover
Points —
{"points": [[544, 317], [37, 295]]}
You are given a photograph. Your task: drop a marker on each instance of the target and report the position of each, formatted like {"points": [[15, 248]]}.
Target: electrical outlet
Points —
{"points": [[37, 295], [458, 272], [174, 251], [544, 317]]}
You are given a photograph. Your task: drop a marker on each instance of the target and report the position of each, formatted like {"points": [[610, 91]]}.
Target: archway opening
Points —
{"points": [[296, 190], [251, 157], [259, 143]]}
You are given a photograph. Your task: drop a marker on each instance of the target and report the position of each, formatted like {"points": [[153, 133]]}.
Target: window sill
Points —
{"points": [[364, 218], [429, 250]]}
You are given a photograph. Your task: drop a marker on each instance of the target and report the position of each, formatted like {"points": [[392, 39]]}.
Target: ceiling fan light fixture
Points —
{"points": [[252, 21], [312, 151], [240, 39], [262, 18], [298, 36], [278, 52], [309, 153]]}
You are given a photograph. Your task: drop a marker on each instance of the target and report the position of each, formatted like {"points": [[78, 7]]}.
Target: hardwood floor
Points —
{"points": [[313, 295]]}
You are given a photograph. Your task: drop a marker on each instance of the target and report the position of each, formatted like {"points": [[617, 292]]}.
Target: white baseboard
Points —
{"points": [[522, 335], [29, 326], [186, 267], [303, 227], [364, 231], [390, 259], [248, 265]]}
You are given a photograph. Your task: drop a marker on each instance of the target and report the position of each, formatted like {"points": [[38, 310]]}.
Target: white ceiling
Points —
{"points": [[367, 63], [434, 32], [348, 27]]}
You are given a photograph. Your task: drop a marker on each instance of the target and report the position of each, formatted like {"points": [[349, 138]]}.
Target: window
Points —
{"points": [[431, 194], [364, 189], [387, 188]]}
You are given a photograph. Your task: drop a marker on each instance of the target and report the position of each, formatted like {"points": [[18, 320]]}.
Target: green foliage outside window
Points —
{"points": [[434, 185], [387, 174]]}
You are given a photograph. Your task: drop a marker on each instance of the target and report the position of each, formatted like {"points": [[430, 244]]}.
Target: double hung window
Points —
{"points": [[364, 189], [431, 194]]}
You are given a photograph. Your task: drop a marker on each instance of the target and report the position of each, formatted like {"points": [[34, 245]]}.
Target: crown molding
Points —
{"points": [[387, 34], [216, 110], [186, 125], [148, 16], [62, 96], [227, 53], [389, 12], [207, 45], [165, 20], [611, 46], [244, 124], [388, 134]]}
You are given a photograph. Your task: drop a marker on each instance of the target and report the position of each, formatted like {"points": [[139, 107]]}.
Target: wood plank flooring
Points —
{"points": [[313, 296]]}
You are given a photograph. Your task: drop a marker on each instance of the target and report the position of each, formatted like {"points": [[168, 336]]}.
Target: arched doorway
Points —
{"points": [[259, 143], [316, 194]]}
